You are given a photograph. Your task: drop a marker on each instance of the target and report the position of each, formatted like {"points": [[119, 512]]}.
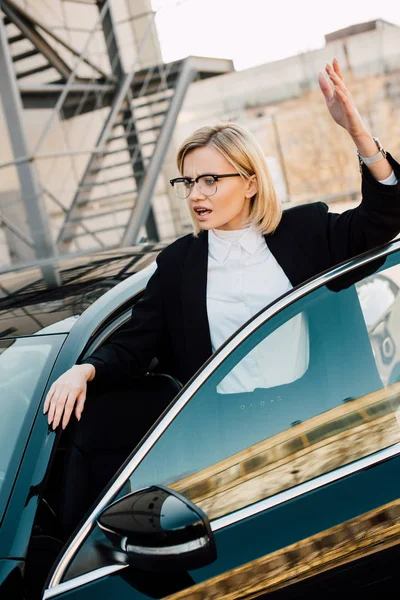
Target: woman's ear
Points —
{"points": [[251, 187]]}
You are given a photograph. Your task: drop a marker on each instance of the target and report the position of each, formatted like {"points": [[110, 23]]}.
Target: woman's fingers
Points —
{"points": [[325, 86], [53, 404], [69, 407], [67, 392], [337, 69], [347, 106], [58, 407], [61, 405], [336, 80], [48, 398], [340, 101], [80, 404]]}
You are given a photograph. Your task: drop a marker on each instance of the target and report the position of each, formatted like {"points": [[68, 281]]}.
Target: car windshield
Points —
{"points": [[25, 365]]}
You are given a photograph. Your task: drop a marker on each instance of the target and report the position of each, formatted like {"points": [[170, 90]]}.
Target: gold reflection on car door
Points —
{"points": [[312, 448]]}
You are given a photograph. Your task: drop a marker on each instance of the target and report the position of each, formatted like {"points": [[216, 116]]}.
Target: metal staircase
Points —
{"points": [[122, 171], [116, 168], [112, 203]]}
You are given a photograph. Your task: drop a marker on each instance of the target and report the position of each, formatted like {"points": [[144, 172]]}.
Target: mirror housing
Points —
{"points": [[159, 529]]}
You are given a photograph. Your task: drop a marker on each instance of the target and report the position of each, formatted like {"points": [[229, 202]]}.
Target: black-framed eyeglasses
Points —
{"points": [[206, 183]]}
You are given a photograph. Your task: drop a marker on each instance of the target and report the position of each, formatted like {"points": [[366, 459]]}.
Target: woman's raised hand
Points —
{"points": [[66, 393], [340, 102]]}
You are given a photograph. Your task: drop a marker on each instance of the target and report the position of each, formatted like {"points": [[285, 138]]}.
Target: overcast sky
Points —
{"points": [[252, 32]]}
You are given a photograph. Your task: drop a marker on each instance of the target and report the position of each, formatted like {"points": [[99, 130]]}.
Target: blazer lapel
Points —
{"points": [[289, 254], [194, 303]]}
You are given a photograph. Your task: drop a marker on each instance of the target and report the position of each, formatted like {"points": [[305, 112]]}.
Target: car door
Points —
{"points": [[288, 440]]}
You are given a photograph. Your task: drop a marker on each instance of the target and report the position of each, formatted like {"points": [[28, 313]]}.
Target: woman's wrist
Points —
{"points": [[365, 144], [89, 371], [367, 147]]}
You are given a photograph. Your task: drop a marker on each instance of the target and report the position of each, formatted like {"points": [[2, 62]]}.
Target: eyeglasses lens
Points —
{"points": [[206, 185], [182, 189]]}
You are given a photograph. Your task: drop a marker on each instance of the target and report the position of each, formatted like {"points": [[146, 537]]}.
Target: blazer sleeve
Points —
{"points": [[130, 350], [374, 222]]}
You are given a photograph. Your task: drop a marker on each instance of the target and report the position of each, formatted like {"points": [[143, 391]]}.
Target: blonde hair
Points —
{"points": [[240, 148]]}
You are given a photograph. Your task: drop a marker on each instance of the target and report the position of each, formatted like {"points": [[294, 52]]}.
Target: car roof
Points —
{"points": [[27, 305]]}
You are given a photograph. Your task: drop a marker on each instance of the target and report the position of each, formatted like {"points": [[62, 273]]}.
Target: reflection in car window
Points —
{"points": [[227, 450], [286, 352], [25, 365], [381, 306], [377, 294]]}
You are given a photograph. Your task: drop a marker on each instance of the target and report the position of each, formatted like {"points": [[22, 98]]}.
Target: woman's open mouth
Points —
{"points": [[201, 212]]}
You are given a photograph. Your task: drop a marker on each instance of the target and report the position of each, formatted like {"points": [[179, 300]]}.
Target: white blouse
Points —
{"points": [[243, 277]]}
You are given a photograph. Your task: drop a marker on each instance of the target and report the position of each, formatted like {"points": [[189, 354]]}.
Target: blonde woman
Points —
{"points": [[243, 254]]}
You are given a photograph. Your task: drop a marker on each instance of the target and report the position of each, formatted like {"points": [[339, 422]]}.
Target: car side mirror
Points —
{"points": [[159, 529]]}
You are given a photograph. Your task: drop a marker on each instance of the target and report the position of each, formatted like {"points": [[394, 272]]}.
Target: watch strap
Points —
{"points": [[370, 160]]}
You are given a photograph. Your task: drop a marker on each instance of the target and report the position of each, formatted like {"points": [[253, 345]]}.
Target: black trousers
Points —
{"points": [[113, 422]]}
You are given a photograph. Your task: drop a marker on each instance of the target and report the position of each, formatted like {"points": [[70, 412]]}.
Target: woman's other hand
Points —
{"points": [[344, 111], [340, 102], [66, 393]]}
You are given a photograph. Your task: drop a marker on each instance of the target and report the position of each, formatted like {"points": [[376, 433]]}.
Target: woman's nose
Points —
{"points": [[196, 193]]}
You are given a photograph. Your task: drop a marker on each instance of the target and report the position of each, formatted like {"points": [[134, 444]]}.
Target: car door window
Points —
{"points": [[326, 394]]}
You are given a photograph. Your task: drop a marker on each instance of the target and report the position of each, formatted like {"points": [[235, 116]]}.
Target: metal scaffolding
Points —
{"points": [[127, 109]]}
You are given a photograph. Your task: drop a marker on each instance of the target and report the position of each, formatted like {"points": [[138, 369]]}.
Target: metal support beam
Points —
{"points": [[143, 203], [36, 217], [14, 229], [110, 37]]}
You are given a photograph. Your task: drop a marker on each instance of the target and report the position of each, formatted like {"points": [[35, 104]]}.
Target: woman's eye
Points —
{"points": [[209, 180], [187, 184]]}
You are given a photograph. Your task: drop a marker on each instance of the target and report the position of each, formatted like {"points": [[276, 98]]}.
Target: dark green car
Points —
{"points": [[288, 490]]}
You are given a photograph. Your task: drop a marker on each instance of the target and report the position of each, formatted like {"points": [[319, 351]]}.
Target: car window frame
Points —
{"points": [[55, 585], [115, 322]]}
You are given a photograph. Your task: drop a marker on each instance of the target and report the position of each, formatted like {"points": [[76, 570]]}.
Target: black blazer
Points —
{"points": [[170, 321]]}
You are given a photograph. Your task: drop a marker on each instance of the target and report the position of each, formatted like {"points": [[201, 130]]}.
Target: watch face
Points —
{"points": [[378, 143]]}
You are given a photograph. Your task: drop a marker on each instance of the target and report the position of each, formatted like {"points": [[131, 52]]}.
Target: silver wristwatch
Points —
{"points": [[370, 160]]}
